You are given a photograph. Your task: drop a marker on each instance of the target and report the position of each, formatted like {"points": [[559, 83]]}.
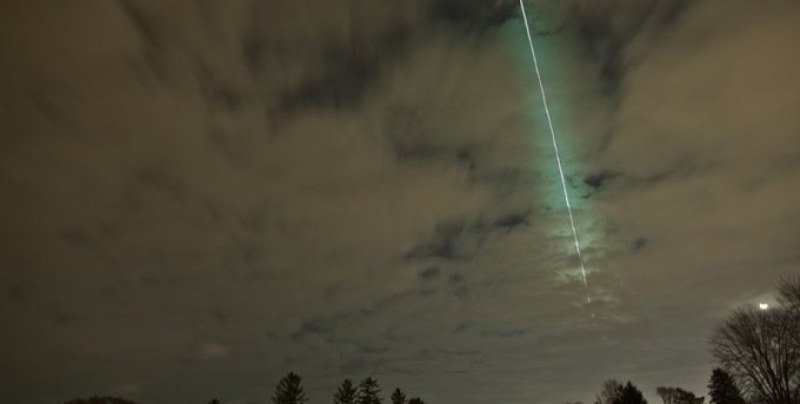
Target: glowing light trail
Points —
{"points": [[555, 149]]}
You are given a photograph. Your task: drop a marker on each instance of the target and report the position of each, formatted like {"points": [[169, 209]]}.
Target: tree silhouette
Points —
{"points": [[214, 401], [629, 394], [722, 389], [398, 397], [687, 397], [677, 395], [615, 393], [789, 293], [761, 349], [789, 297], [416, 400], [610, 392], [368, 392], [667, 394], [346, 393], [289, 390]]}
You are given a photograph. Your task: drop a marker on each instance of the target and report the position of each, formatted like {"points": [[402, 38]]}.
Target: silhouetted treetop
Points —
{"points": [[677, 395], [630, 395], [615, 393], [346, 393], [368, 392], [789, 293], [398, 397], [609, 393], [722, 389], [289, 390]]}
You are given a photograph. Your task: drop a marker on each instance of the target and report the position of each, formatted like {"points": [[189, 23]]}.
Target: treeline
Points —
{"points": [[290, 391], [721, 389]]}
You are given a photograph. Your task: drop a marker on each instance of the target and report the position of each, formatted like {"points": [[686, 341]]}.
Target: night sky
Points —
{"points": [[200, 196]]}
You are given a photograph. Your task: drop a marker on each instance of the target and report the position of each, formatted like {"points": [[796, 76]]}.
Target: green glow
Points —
{"points": [[557, 79]]}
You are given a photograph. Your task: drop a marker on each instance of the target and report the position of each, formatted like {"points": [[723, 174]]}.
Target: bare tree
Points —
{"points": [[759, 349], [610, 392], [789, 293], [667, 394]]}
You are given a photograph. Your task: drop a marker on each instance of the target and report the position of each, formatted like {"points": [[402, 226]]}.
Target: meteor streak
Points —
{"points": [[555, 149]]}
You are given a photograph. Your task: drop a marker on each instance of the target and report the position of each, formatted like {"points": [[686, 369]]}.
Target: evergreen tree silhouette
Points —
{"points": [[368, 392], [346, 393], [722, 389], [398, 397], [289, 390]]}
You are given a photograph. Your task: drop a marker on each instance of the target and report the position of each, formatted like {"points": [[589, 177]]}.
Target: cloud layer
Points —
{"points": [[199, 197]]}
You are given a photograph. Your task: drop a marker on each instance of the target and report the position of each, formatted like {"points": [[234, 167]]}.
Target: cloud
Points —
{"points": [[360, 187], [213, 350]]}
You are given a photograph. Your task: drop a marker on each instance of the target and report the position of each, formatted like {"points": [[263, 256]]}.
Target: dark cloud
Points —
{"points": [[513, 220], [311, 328], [607, 29], [476, 14], [430, 274], [596, 181], [639, 243]]}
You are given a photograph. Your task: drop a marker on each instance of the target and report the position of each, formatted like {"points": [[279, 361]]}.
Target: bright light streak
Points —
{"points": [[763, 306], [555, 149]]}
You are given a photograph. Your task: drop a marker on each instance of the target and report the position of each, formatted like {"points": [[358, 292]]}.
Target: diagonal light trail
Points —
{"points": [[555, 149]]}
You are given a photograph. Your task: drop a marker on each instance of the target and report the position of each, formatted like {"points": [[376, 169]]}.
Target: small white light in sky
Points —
{"points": [[763, 306]]}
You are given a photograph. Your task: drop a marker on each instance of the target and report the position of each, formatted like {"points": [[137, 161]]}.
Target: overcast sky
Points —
{"points": [[199, 196]]}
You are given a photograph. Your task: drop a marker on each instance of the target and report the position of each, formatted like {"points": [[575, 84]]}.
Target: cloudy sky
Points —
{"points": [[199, 196]]}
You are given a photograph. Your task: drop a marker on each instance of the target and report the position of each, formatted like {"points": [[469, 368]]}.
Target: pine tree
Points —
{"points": [[346, 393], [722, 389], [368, 392], [289, 390], [398, 397]]}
